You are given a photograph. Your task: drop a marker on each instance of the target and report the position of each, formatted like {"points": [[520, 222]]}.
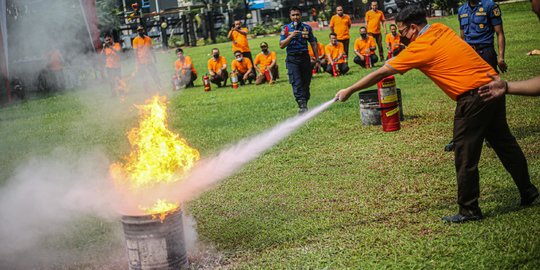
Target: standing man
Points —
{"points": [[238, 35], [340, 24], [266, 60], [335, 55], [142, 44], [364, 46], [374, 19], [217, 67], [478, 21], [459, 71], [111, 50], [295, 37]]}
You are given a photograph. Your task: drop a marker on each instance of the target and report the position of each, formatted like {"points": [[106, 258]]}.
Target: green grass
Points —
{"points": [[334, 195]]}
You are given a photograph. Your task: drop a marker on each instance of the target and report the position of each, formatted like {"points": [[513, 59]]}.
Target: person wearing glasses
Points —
{"points": [[459, 71]]}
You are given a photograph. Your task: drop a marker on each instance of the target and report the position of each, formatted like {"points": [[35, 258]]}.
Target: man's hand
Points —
{"points": [[245, 76], [495, 89], [343, 95], [294, 33], [501, 64]]}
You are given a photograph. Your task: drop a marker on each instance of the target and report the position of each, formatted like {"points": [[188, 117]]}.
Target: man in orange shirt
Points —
{"points": [[217, 67], [243, 67], [335, 55], [238, 35], [111, 50], [364, 46], [266, 60], [321, 55], [185, 72], [142, 44], [393, 41], [374, 19], [459, 71], [340, 24]]}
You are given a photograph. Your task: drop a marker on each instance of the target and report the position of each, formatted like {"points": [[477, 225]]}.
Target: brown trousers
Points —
{"points": [[475, 120]]}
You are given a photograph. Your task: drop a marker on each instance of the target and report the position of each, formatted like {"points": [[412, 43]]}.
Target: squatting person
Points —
{"points": [[459, 71], [217, 68]]}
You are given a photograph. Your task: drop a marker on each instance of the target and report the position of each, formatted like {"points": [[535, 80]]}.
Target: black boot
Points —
{"points": [[302, 106]]}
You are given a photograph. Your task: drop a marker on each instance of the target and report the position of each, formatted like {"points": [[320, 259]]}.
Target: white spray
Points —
{"points": [[212, 170]]}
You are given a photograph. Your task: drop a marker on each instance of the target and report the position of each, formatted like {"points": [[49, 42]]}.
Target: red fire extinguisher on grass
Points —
{"points": [[268, 75], [367, 58], [388, 104], [389, 55], [234, 79], [206, 83], [335, 70]]}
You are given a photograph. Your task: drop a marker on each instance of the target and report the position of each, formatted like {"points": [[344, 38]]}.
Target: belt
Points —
{"points": [[480, 46], [473, 92], [297, 53]]}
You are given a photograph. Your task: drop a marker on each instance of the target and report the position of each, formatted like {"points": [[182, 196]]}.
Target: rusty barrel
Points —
{"points": [[369, 107], [153, 244]]}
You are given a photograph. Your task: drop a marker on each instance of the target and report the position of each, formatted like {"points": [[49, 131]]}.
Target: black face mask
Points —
{"points": [[265, 50], [216, 56], [363, 35], [406, 41], [141, 34]]}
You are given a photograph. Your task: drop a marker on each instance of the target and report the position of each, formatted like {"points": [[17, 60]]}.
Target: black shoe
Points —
{"points": [[529, 200], [459, 218], [449, 147], [302, 106]]}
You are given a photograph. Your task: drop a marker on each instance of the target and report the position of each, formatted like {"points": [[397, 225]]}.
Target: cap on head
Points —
{"points": [[264, 44], [140, 28]]}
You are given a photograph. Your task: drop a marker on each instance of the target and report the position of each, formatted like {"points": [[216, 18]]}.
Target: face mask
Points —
{"points": [[406, 41], [265, 50], [216, 56], [141, 34], [363, 35], [239, 59], [394, 33]]}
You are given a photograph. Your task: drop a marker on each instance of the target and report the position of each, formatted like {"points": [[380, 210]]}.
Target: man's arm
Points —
{"points": [[315, 51], [285, 42], [501, 40], [367, 81], [229, 35], [497, 88]]}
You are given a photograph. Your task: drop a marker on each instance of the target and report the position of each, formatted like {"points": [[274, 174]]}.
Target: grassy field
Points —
{"points": [[334, 195]]}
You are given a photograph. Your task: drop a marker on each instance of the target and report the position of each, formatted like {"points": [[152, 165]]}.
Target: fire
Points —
{"points": [[158, 156]]}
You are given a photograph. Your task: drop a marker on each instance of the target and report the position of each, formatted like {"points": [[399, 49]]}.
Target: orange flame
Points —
{"points": [[158, 156]]}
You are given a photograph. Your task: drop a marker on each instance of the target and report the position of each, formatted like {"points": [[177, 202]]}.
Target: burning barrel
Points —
{"points": [[154, 243]]}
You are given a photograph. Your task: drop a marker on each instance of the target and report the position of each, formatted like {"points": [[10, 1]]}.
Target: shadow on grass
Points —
{"points": [[522, 132]]}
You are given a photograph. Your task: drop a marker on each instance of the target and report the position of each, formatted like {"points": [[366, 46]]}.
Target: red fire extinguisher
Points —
{"points": [[234, 79], [268, 75], [389, 55], [335, 70], [388, 104], [206, 83], [367, 58]]}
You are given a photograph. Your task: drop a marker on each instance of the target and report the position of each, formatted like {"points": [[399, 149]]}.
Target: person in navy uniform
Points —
{"points": [[478, 21], [295, 37]]}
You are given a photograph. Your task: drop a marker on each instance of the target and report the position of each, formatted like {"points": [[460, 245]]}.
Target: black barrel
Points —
{"points": [[153, 244], [369, 104]]}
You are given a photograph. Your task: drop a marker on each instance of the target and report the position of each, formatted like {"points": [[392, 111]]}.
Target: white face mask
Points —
{"points": [[239, 59]]}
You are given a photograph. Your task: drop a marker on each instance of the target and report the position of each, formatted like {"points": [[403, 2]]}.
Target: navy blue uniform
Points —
{"points": [[477, 24], [298, 61]]}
